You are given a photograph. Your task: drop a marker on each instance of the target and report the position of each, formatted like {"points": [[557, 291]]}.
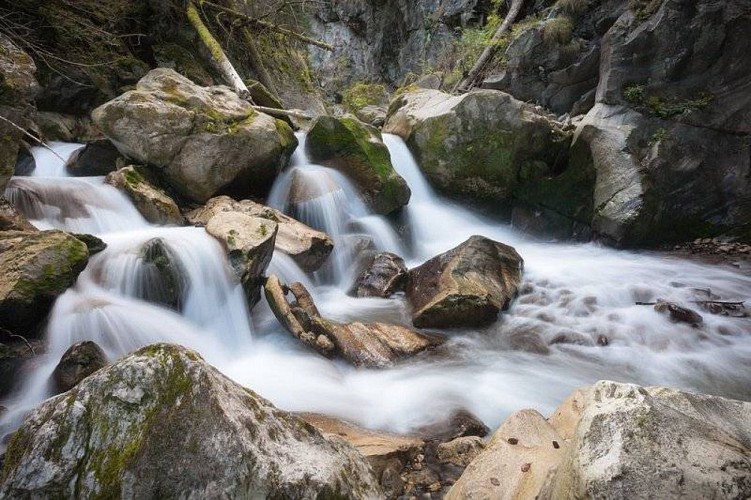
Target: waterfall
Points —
{"points": [[577, 297]]}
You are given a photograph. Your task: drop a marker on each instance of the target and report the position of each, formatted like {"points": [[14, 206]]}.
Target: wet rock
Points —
{"points": [[375, 345], [641, 442], [466, 286], [98, 157], [460, 423], [201, 139], [36, 267], [15, 352], [483, 146], [385, 275], [11, 220], [307, 186], [152, 202], [78, 362], [93, 244], [66, 128], [163, 423], [460, 451], [380, 449], [372, 115], [679, 314], [357, 151], [308, 247], [165, 280], [249, 242]]}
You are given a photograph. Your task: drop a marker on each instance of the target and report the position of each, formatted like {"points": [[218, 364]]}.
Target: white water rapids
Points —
{"points": [[576, 298]]}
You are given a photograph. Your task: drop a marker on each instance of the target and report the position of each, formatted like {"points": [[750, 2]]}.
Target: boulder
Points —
{"points": [[98, 157], [163, 423], [374, 345], [482, 146], [201, 140], [516, 461], [11, 220], [154, 203], [77, 363], [385, 275], [249, 242], [356, 150], [66, 128], [36, 267], [164, 281], [465, 286], [308, 247], [18, 86], [458, 424], [648, 442]]}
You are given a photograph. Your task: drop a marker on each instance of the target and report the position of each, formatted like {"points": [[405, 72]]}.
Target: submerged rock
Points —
{"points": [[165, 279], [356, 150], [163, 423], [679, 314], [384, 276], [250, 245], [36, 267], [152, 202], [375, 345], [466, 286], [308, 247], [77, 363], [483, 146], [200, 139]]}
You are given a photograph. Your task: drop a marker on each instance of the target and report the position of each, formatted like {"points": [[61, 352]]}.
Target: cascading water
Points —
{"points": [[577, 298]]}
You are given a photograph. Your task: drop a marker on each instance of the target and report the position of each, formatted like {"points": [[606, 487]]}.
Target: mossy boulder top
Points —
{"points": [[163, 423], [484, 146], [199, 139], [36, 267], [152, 202], [357, 150]]}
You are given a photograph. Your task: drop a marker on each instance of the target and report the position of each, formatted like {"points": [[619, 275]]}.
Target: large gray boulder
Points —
{"points": [[308, 247], [356, 150], [465, 286], [484, 146], [249, 242], [199, 139], [163, 423], [36, 267]]}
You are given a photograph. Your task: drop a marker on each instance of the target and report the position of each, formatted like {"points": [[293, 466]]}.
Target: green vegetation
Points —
{"points": [[364, 94], [644, 8], [665, 107], [660, 135], [558, 30], [573, 6]]}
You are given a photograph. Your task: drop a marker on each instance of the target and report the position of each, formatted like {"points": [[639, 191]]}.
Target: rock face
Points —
{"points": [[78, 362], [98, 157], [250, 244], [155, 205], [615, 440], [483, 146], [36, 267], [17, 89], [466, 286], [308, 247], [356, 150], [201, 139], [163, 423], [384, 276], [375, 345]]}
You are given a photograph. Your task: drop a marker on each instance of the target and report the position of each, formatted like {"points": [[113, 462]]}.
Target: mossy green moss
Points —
{"points": [[364, 94]]}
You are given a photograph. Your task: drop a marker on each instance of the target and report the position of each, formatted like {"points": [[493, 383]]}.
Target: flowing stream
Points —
{"points": [[575, 323]]}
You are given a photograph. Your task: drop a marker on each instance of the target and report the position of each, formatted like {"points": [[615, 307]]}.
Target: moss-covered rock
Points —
{"points": [[166, 280], [154, 203], [484, 146], [200, 140], [36, 267], [356, 150], [163, 423], [78, 362]]}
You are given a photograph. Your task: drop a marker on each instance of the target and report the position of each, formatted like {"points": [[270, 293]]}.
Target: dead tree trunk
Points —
{"points": [[468, 82], [218, 57]]}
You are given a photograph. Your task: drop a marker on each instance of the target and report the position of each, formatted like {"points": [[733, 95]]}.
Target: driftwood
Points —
{"points": [[283, 112], [468, 82], [218, 57], [734, 303], [267, 25]]}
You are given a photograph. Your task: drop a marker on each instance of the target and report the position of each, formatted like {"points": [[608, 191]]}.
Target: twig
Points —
{"points": [[738, 303], [28, 344], [34, 138], [282, 112]]}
